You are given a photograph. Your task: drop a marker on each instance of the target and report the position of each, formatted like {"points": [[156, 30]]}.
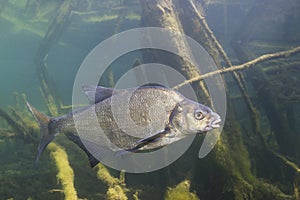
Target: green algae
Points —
{"points": [[117, 189], [230, 156], [65, 174], [181, 192]]}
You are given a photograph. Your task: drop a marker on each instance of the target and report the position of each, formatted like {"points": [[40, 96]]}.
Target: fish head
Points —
{"points": [[196, 118]]}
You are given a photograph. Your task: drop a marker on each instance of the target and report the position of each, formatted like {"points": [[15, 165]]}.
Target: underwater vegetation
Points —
{"points": [[258, 153], [181, 191], [65, 173]]}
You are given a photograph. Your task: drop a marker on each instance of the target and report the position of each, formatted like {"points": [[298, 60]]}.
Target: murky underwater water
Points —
{"points": [[43, 44]]}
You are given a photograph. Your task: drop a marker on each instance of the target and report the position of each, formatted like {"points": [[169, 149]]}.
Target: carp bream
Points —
{"points": [[132, 120]]}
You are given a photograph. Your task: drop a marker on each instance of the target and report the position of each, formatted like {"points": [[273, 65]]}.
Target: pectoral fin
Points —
{"points": [[146, 141], [153, 138]]}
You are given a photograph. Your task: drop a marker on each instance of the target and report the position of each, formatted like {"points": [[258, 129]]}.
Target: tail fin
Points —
{"points": [[46, 135]]}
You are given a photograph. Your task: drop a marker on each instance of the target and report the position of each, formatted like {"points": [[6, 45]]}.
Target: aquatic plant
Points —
{"points": [[231, 168], [180, 192], [19, 121], [116, 186], [241, 182]]}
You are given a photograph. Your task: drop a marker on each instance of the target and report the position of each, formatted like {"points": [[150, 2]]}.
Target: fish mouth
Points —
{"points": [[216, 123]]}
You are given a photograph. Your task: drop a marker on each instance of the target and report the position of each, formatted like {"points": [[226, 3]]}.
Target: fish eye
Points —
{"points": [[199, 115]]}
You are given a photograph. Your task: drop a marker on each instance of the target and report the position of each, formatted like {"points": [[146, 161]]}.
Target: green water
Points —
{"points": [[240, 167]]}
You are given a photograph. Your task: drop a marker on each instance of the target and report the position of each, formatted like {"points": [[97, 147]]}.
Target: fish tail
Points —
{"points": [[46, 134]]}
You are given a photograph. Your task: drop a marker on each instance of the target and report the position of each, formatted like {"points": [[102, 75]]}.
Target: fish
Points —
{"points": [[131, 120]]}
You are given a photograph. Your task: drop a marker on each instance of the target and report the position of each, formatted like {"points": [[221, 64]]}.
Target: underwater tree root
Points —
{"points": [[6, 133], [56, 28], [294, 167], [17, 126], [65, 173], [263, 58], [162, 13], [116, 186], [210, 33], [237, 77], [286, 161]]}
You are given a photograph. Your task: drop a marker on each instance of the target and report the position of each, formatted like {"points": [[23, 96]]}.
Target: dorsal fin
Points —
{"points": [[95, 94]]}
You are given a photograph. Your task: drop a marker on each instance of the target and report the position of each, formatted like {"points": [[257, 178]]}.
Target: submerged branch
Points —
{"points": [[210, 34], [294, 167], [116, 186], [181, 191], [263, 58], [6, 133], [65, 173], [239, 78], [286, 161], [22, 131]]}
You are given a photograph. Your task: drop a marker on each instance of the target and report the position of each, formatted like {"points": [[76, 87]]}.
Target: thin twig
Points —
{"points": [[211, 35], [286, 161], [263, 58]]}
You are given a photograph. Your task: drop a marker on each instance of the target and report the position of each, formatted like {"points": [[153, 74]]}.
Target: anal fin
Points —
{"points": [[76, 139]]}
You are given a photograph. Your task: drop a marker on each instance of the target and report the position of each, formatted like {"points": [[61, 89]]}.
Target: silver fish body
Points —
{"points": [[133, 119]]}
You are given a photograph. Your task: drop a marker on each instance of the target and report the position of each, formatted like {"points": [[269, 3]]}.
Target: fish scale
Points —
{"points": [[132, 120]]}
